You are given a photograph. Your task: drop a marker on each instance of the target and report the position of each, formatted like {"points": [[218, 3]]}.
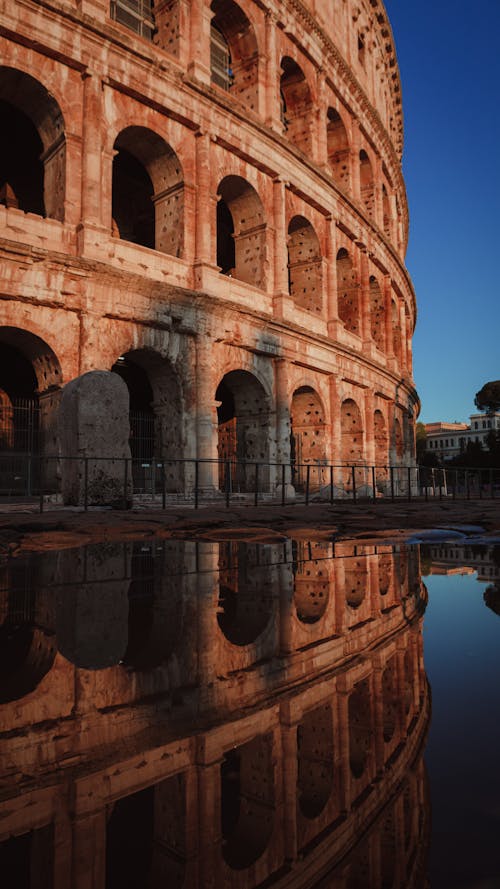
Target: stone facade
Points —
{"points": [[210, 203]]}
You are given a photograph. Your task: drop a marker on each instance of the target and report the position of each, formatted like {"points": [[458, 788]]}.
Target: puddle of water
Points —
{"points": [[203, 713]]}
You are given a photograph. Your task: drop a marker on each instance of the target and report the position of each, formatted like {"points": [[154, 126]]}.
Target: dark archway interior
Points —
{"points": [[226, 254], [17, 377], [142, 422], [133, 209], [21, 170], [129, 841], [226, 411]]}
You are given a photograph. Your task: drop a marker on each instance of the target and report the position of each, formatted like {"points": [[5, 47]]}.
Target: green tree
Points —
{"points": [[421, 440], [488, 398]]}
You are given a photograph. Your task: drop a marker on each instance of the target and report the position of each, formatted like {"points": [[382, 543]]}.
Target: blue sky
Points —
{"points": [[449, 59]]}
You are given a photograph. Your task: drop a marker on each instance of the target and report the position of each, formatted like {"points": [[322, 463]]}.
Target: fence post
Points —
{"points": [[196, 482], [41, 484], [391, 469], [308, 475], [283, 482], [353, 484], [373, 485], [85, 483], [256, 493], [331, 484]]}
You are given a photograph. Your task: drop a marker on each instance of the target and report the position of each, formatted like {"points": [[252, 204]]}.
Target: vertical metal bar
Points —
{"points": [[392, 483], [256, 492], [85, 483], [308, 477], [228, 482], [331, 484], [409, 482], [283, 482], [354, 484], [196, 483], [41, 484], [373, 485]]}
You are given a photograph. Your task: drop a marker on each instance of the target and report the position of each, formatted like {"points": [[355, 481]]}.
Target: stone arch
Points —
{"points": [[367, 183], [337, 142], [247, 801], [351, 432], [305, 271], [244, 420], [377, 314], [398, 440], [156, 413], [241, 232], [308, 438], [348, 292], [245, 605], [148, 191], [33, 157], [234, 61], [297, 104], [360, 727], [315, 760], [355, 582], [311, 585], [385, 572]]}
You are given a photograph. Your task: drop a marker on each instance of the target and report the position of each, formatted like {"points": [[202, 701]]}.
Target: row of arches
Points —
{"points": [[236, 67], [148, 191]]}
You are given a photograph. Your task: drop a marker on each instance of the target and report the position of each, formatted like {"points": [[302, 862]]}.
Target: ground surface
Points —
{"points": [[61, 528]]}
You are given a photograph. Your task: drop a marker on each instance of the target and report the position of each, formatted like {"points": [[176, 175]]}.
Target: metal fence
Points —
{"points": [[122, 483]]}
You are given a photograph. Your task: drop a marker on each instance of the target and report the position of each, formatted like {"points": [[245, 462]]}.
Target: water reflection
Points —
{"points": [[200, 714]]}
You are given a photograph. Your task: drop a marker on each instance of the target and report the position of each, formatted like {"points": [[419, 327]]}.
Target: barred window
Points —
{"points": [[136, 15], [220, 60]]}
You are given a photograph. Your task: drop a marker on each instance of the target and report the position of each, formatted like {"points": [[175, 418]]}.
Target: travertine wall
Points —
{"points": [[150, 171]]}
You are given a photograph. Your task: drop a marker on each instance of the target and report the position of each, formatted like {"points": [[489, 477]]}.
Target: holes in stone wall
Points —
{"points": [[367, 184], [338, 149], [348, 292], [243, 430], [234, 52], [298, 103], [241, 232], [304, 265], [360, 727], [377, 314], [315, 761]]}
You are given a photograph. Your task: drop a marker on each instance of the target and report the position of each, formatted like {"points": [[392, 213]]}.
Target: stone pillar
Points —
{"points": [[206, 413], [389, 344], [378, 212], [366, 333], [404, 343], [378, 712], [289, 722], [355, 174], [94, 432], [272, 80], [331, 279], [280, 248], [342, 745], [92, 226], [369, 431], [335, 422], [89, 844], [199, 37], [205, 206], [49, 402], [320, 138], [283, 424]]}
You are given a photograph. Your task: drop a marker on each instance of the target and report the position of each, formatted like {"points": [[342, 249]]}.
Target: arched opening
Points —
{"points": [[355, 582], [135, 14], [129, 840], [170, 842], [33, 157], [241, 232], [386, 212], [338, 149], [308, 438], [28, 854], [377, 314], [388, 851], [247, 801], [385, 565], [381, 449], [30, 381], [304, 265], [233, 52], [366, 183], [389, 701], [245, 603], [243, 431], [315, 761], [27, 629], [311, 583], [156, 417], [297, 105], [348, 292], [398, 440], [351, 434], [360, 727], [148, 192]]}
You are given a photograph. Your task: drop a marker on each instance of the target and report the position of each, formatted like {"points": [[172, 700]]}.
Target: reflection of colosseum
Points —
{"points": [[207, 201], [297, 666]]}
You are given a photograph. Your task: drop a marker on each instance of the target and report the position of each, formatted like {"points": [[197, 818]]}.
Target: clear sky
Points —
{"points": [[449, 59]]}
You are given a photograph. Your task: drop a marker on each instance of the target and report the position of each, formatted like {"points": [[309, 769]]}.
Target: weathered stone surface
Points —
{"points": [[94, 433]]}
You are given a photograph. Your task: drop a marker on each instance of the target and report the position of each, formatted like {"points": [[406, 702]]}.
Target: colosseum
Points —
{"points": [[204, 204]]}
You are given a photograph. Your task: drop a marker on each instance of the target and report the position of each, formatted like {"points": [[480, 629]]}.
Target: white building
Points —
{"points": [[448, 440]]}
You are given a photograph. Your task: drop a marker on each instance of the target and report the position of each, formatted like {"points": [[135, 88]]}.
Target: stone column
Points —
{"points": [[389, 344], [283, 424], [331, 278], [289, 722], [281, 293], [205, 206], [206, 413], [355, 175], [92, 198], [199, 39], [320, 138], [369, 432], [404, 342], [366, 333], [342, 745], [378, 713], [89, 844], [378, 212], [335, 422], [272, 79]]}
